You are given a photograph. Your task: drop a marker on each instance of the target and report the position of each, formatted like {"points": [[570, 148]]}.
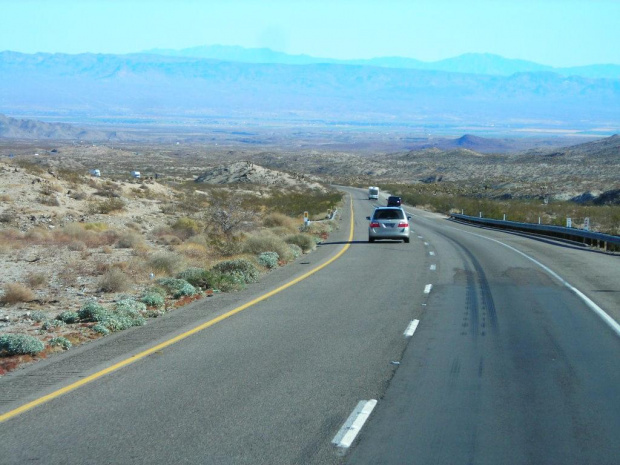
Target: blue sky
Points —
{"points": [[552, 32]]}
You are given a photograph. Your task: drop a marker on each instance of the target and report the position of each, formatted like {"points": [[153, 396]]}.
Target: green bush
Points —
{"points": [[92, 311], [239, 268], [268, 259], [101, 329], [304, 241], [295, 250], [130, 306], [152, 299], [20, 344], [197, 277], [177, 287], [38, 315], [186, 227], [68, 317], [51, 324], [61, 341]]}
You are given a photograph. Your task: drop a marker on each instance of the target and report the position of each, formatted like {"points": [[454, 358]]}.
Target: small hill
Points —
{"points": [[248, 172], [13, 128], [605, 150]]}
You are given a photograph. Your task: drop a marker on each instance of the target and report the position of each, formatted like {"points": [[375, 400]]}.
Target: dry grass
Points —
{"points": [[268, 243], [15, 292], [283, 222], [114, 280], [165, 263], [36, 280]]}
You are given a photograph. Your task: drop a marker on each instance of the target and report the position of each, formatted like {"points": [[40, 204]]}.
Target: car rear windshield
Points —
{"points": [[389, 215]]}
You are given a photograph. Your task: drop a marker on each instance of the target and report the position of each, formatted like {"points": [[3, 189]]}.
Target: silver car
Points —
{"points": [[388, 223]]}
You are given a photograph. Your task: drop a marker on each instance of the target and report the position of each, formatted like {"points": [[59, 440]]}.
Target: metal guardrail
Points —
{"points": [[603, 241]]}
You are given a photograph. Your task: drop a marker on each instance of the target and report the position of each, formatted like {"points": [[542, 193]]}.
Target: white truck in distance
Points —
{"points": [[373, 193]]}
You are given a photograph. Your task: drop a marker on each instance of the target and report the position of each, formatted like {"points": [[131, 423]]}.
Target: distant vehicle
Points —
{"points": [[373, 193], [135, 174], [388, 223], [95, 173], [394, 201]]}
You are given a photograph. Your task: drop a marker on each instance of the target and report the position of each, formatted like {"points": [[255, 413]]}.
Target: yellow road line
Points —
{"points": [[174, 340]]}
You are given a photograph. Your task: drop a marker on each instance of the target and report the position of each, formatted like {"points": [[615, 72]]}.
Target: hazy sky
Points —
{"points": [[553, 32]]}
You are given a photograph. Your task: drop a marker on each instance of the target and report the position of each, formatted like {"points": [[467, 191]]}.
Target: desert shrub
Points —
{"points": [[15, 292], [61, 341], [295, 250], [106, 206], [193, 250], [228, 282], [241, 268], [114, 280], [152, 299], [120, 321], [170, 239], [38, 315], [36, 279], [49, 200], [294, 204], [304, 241], [186, 227], [101, 329], [165, 262], [92, 311], [318, 228], [97, 227], [78, 195], [20, 344], [268, 243], [68, 317], [268, 259], [128, 240], [129, 306], [177, 287], [278, 220], [49, 325], [197, 277], [76, 246]]}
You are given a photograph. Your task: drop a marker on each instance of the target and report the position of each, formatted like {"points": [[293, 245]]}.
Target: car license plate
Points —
{"points": [[389, 225]]}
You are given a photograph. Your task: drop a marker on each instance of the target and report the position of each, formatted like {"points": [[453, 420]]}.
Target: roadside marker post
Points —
{"points": [[306, 220]]}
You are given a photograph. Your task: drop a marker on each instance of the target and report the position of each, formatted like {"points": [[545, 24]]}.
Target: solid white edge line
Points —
{"points": [[613, 324], [427, 288], [411, 328], [351, 428]]}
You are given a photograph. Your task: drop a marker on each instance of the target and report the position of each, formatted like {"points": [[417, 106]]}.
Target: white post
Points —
{"points": [[480, 214], [504, 216], [539, 220]]}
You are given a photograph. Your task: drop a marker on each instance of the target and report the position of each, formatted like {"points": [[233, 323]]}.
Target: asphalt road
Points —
{"points": [[506, 366]]}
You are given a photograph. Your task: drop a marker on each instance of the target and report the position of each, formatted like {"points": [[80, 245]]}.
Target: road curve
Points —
{"points": [[506, 366]]}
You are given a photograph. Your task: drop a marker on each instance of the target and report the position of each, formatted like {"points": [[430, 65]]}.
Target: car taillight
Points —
{"points": [[403, 225], [374, 224]]}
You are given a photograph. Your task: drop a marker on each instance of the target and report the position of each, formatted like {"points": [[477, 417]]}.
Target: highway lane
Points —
{"points": [[272, 384], [507, 365]]}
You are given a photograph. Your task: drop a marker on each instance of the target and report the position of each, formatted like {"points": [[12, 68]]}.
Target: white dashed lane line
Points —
{"points": [[431, 253], [411, 328], [427, 288], [351, 428], [433, 267]]}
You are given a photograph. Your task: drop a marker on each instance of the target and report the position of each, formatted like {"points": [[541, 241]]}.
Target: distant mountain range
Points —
{"points": [[13, 128], [471, 63], [152, 88]]}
